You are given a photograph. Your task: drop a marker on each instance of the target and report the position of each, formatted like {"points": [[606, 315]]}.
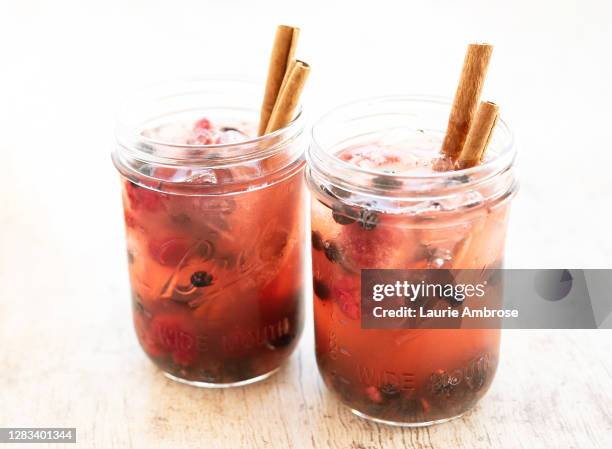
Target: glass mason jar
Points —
{"points": [[215, 234], [368, 218]]}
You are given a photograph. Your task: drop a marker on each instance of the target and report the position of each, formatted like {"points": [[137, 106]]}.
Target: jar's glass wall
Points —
{"points": [[215, 240], [448, 220]]}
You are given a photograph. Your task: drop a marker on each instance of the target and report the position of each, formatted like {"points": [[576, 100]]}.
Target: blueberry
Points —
{"points": [[386, 182], [201, 279], [462, 179], [317, 241], [340, 216], [368, 219], [389, 391], [332, 252], [282, 341], [320, 289]]}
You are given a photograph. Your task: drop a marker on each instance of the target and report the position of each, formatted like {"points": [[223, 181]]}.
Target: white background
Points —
{"points": [[66, 64]]}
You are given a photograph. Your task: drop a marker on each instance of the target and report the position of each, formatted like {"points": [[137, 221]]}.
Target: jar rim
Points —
{"points": [[147, 149], [318, 157]]}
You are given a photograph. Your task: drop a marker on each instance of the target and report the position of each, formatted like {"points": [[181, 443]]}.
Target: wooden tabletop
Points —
{"points": [[70, 359]]}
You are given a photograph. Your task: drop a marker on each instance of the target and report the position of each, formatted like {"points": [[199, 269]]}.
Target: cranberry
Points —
{"points": [[346, 295]]}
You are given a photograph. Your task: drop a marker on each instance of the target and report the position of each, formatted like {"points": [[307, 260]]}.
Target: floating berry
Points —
{"points": [[368, 219], [346, 295], [389, 391], [317, 241], [340, 216], [201, 279], [332, 252], [320, 289], [373, 394], [203, 123], [169, 252], [282, 341], [143, 197], [386, 182], [441, 383]]}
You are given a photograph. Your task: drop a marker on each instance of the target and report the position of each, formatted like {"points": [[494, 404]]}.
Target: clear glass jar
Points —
{"points": [[366, 218], [215, 234]]}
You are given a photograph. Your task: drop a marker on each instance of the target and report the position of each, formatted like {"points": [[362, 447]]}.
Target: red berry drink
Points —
{"points": [[215, 233], [378, 203]]}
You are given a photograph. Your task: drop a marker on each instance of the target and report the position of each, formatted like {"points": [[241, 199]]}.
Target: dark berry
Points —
{"points": [[386, 182], [320, 289], [317, 241], [462, 179], [229, 128], [389, 391], [368, 219], [332, 252], [441, 384], [201, 279], [282, 341], [340, 216]]}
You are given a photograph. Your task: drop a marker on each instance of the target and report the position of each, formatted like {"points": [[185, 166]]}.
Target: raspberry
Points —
{"points": [[345, 293], [143, 197], [374, 394], [203, 123]]}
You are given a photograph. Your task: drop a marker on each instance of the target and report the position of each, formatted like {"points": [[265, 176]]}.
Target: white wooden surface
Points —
{"points": [[68, 356]]}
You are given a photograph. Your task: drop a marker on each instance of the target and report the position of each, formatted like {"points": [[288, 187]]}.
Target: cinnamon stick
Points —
{"points": [[285, 42], [289, 96], [479, 135], [466, 99]]}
